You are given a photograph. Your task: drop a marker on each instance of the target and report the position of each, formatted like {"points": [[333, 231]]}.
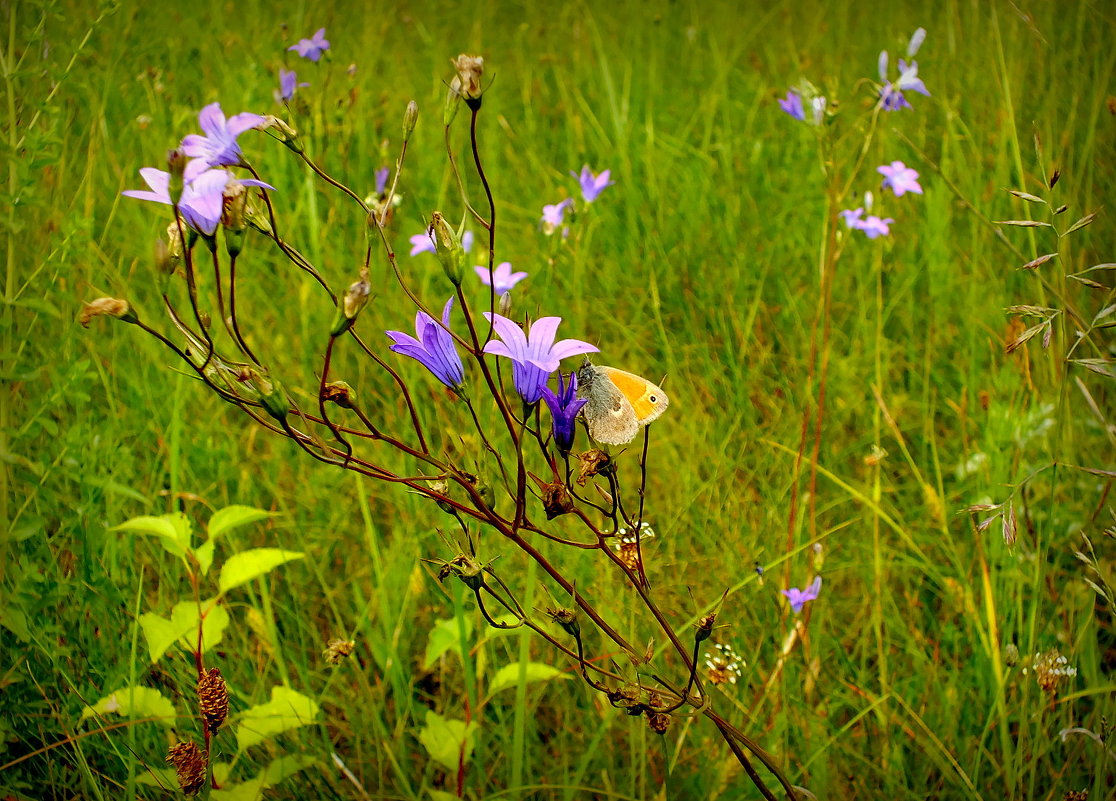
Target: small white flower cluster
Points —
{"points": [[724, 664], [1050, 668], [625, 537]]}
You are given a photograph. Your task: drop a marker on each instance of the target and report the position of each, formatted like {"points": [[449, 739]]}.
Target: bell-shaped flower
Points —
{"points": [[218, 147], [202, 199], [502, 279], [564, 407], [798, 598], [533, 357], [592, 185], [312, 48], [433, 347]]}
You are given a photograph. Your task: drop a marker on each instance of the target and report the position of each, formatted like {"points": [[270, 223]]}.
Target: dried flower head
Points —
{"points": [[1050, 668], [189, 766], [592, 463], [556, 499], [1076, 795], [723, 664], [657, 721], [467, 82], [111, 307], [337, 650], [566, 618], [213, 696], [339, 392]]}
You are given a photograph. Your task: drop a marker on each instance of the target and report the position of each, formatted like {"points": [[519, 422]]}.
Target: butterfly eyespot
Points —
{"points": [[653, 398]]}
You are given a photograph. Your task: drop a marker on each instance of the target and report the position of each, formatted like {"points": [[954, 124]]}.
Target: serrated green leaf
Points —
{"points": [[508, 675], [445, 636], [247, 565], [231, 517], [173, 530], [448, 742], [134, 702], [286, 710]]}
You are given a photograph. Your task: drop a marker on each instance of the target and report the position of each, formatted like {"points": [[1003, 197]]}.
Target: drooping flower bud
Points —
{"points": [[234, 204], [567, 619], [448, 247], [107, 307], [282, 131]]}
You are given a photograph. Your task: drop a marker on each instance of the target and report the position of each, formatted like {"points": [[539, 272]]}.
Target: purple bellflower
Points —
{"points": [[502, 279], [382, 176], [592, 185], [792, 104], [899, 178], [288, 83], [218, 147], [554, 215], [874, 226], [312, 48], [202, 199], [798, 598], [424, 242], [533, 357], [433, 347], [564, 407], [852, 217], [891, 94]]}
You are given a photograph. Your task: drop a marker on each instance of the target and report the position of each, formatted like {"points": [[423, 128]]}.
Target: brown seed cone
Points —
{"points": [[189, 766], [213, 696]]}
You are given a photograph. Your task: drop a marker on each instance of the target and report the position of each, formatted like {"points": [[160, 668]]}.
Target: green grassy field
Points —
{"points": [[837, 404]]}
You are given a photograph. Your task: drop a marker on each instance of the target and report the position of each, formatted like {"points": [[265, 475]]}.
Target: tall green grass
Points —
{"points": [[701, 265]]}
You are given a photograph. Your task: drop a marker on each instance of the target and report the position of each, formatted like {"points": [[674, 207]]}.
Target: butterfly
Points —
{"points": [[617, 403]]}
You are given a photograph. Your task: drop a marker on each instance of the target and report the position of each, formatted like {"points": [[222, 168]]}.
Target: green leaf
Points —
{"points": [[445, 636], [286, 710], [234, 516], [508, 675], [204, 555], [15, 621], [134, 702], [173, 530], [275, 772], [247, 565], [162, 633], [447, 741]]}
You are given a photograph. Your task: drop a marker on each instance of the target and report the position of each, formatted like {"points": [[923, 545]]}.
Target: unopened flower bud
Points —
{"points": [[506, 304], [355, 299], [467, 82], [234, 206], [107, 307], [213, 696], [176, 166], [448, 247], [410, 120], [705, 627], [273, 398], [282, 131], [174, 241]]}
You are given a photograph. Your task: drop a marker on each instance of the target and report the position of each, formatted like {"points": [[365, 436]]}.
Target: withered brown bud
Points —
{"points": [[108, 307], [592, 463], [467, 82], [657, 721], [567, 619], [233, 203], [556, 500], [340, 393], [1054, 176], [705, 627], [213, 696], [337, 650], [189, 766]]}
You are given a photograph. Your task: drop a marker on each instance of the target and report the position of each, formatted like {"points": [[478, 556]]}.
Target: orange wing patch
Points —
{"points": [[640, 392]]}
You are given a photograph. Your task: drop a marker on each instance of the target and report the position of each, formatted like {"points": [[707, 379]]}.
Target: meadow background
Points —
{"points": [[701, 264]]}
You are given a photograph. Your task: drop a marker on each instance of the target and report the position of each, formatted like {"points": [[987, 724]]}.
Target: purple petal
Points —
{"points": [[541, 337], [245, 121], [572, 347], [511, 333], [212, 119]]}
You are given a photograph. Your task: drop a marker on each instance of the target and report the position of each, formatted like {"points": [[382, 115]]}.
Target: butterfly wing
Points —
{"points": [[648, 401], [607, 411]]}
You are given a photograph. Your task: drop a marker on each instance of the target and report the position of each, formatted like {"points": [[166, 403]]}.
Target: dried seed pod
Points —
{"points": [[213, 695]]}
